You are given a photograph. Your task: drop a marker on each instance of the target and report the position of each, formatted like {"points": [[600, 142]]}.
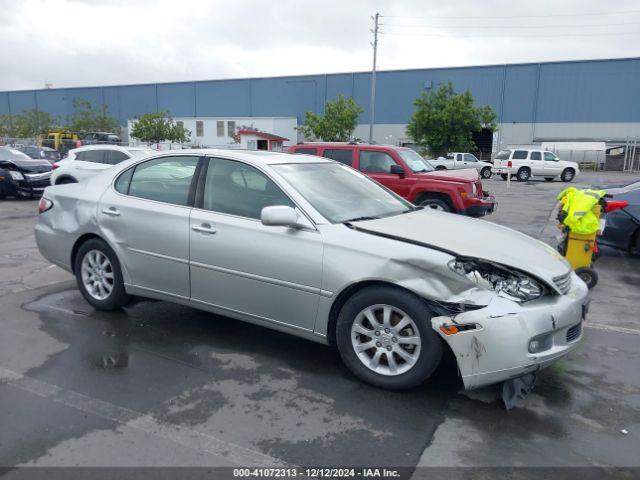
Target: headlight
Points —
{"points": [[16, 175], [507, 282]]}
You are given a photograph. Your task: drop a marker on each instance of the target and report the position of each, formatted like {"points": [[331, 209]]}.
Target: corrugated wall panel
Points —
{"points": [[223, 98], [136, 99], [179, 99], [4, 103], [25, 100], [287, 96], [519, 94]]}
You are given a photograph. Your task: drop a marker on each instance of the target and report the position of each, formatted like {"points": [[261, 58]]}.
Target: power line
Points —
{"points": [[510, 35], [629, 12], [513, 26]]}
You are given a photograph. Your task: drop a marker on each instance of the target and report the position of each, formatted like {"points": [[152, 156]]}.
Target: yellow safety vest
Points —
{"points": [[578, 207]]}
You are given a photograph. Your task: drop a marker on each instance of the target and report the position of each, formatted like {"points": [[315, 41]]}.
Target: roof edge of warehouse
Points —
{"points": [[459, 67]]}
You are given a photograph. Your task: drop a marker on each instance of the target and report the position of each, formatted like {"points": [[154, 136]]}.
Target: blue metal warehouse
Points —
{"points": [[572, 100]]}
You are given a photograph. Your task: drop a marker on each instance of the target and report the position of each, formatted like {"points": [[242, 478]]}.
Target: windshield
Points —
{"points": [[414, 161], [341, 193], [12, 154]]}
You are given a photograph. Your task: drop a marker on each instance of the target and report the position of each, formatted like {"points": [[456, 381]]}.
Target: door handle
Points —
{"points": [[204, 228], [111, 211]]}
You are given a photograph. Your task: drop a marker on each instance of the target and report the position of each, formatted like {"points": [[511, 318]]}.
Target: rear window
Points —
{"points": [[520, 154], [503, 155], [306, 151], [339, 155]]}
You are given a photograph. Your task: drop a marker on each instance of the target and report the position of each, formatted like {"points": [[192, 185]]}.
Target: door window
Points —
{"points": [[113, 157], [535, 156], [238, 189], [166, 179], [520, 155], [306, 151], [550, 157], [470, 158], [339, 154], [458, 157], [376, 162], [93, 156]]}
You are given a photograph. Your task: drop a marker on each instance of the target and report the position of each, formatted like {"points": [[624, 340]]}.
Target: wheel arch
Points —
{"points": [[65, 177], [445, 197], [78, 243]]}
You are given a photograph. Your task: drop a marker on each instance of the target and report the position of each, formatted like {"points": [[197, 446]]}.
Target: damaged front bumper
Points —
{"points": [[507, 339]]}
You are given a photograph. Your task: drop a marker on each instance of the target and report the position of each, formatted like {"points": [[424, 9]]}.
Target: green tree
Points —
{"points": [[336, 125], [88, 117], [7, 128], [158, 127], [444, 121], [31, 123]]}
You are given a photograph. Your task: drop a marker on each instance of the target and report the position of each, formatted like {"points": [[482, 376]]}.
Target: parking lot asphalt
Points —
{"points": [[165, 385]]}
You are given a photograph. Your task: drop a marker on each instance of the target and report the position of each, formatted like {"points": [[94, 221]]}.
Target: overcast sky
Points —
{"points": [[100, 42]]}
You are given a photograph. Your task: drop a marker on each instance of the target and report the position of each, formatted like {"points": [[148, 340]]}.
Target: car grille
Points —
{"points": [[574, 332], [563, 282], [40, 183]]}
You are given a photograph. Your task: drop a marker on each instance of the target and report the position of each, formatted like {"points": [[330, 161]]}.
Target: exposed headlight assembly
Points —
{"points": [[16, 175], [507, 282]]}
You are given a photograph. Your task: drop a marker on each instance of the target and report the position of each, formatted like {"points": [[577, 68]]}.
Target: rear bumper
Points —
{"points": [[497, 348], [478, 207]]}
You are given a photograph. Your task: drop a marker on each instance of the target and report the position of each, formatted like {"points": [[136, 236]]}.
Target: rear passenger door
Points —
{"points": [[537, 165]]}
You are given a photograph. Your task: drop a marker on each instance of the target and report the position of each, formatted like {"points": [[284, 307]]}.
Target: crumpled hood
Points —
{"points": [[473, 237]]}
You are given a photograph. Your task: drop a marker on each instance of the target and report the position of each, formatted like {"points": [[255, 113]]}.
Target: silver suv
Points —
{"points": [[533, 162]]}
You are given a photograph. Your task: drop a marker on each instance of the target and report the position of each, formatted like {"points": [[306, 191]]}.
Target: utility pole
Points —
{"points": [[374, 44]]}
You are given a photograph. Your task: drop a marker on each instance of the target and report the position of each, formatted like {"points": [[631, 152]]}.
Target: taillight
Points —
{"points": [[55, 165], [615, 205], [44, 204]]}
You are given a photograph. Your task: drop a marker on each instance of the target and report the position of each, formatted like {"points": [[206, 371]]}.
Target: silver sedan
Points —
{"points": [[311, 247]]}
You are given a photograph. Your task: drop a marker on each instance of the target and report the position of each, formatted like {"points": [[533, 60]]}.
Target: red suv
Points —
{"points": [[409, 175]]}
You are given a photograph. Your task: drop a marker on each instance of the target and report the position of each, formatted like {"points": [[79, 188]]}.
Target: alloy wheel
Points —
{"points": [[386, 340], [97, 274]]}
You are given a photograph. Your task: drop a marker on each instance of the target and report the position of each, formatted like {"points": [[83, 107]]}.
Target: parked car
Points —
{"points": [[622, 227], [409, 175], [311, 247], [35, 152], [21, 176], [457, 160], [90, 138], [531, 162], [85, 162]]}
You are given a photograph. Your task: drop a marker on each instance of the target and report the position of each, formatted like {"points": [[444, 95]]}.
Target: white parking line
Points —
{"points": [[184, 436], [612, 328]]}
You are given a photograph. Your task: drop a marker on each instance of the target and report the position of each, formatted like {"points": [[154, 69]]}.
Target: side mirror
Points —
{"points": [[281, 216], [396, 170]]}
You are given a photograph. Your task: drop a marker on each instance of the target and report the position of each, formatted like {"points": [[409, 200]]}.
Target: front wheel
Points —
{"points": [[435, 204], [385, 338], [588, 276], [567, 174], [485, 172], [99, 276]]}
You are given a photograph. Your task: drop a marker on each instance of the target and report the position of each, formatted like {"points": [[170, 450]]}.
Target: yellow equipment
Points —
{"points": [[580, 223], [60, 140]]}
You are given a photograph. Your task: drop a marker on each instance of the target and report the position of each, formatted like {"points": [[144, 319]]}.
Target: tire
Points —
{"points": [[90, 254], [3, 193], [66, 181], [588, 276], [485, 173], [549, 179], [568, 174], [436, 204], [523, 174], [441, 167], [423, 358], [504, 176]]}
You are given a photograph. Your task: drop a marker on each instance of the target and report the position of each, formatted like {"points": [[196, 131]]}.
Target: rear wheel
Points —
{"points": [[485, 172], [435, 204], [99, 276], [523, 174], [385, 338], [588, 276], [441, 167]]}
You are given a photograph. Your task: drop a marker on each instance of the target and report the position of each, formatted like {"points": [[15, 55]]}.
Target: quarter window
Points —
{"points": [[503, 155], [520, 155], [238, 189], [376, 162], [306, 151], [340, 155], [93, 156], [113, 157], [166, 179], [199, 128], [536, 156]]}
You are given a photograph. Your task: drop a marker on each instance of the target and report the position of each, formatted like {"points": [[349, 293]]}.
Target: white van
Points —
{"points": [[531, 162]]}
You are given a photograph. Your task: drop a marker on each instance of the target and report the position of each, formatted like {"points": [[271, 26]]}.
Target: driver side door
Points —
{"points": [[377, 165], [552, 166]]}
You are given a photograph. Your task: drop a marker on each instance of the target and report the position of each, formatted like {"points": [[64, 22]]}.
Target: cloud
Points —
{"points": [[97, 42]]}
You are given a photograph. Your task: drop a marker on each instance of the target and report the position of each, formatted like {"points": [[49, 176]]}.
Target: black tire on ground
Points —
{"points": [[504, 176], [441, 167], [66, 180], [436, 204], [588, 276], [523, 174], [3, 193], [549, 179], [567, 174], [431, 344], [118, 297], [485, 172]]}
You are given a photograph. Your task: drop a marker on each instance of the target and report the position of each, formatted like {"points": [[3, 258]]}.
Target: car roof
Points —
{"points": [[345, 144], [254, 157], [104, 146]]}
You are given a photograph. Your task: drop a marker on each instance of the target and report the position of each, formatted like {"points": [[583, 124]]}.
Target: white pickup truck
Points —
{"points": [[457, 160]]}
